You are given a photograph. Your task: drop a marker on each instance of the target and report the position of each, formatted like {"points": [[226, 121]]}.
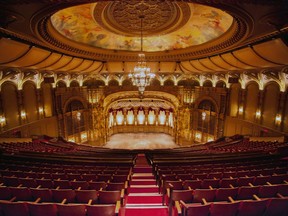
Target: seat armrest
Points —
{"points": [[117, 207], [231, 199], [256, 197], [178, 208]]}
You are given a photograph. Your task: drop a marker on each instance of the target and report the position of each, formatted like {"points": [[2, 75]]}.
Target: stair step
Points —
{"points": [[143, 182], [142, 175], [144, 211], [142, 169], [144, 200], [142, 189]]}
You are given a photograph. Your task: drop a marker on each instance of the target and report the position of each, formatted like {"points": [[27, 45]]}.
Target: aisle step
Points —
{"points": [[142, 169], [142, 176], [143, 189], [144, 211], [143, 182], [144, 199]]}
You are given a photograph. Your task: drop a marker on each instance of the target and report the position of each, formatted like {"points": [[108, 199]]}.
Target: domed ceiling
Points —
{"points": [[118, 25]]}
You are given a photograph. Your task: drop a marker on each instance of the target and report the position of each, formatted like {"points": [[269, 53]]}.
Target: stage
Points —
{"points": [[141, 141]]}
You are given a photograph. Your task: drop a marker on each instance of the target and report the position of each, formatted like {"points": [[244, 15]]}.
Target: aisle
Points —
{"points": [[143, 198]]}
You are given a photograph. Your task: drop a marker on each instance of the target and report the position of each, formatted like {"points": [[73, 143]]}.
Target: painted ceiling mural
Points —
{"points": [[97, 25]]}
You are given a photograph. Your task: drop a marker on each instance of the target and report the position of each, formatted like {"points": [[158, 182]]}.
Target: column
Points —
{"points": [[259, 117], [281, 109], [21, 111]]}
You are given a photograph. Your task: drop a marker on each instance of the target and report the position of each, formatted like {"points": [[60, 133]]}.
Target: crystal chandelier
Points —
{"points": [[141, 76]]}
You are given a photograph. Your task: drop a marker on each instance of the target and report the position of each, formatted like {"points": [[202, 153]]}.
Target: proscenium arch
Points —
{"points": [[169, 98]]}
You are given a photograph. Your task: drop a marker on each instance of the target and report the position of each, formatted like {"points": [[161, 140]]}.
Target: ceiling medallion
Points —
{"points": [[122, 17]]}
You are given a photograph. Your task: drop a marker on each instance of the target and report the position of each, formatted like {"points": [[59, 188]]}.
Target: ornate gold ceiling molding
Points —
{"points": [[239, 31]]}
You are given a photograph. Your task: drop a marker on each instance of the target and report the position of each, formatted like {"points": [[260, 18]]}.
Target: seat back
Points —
{"points": [[207, 194], [224, 209], [247, 192], [71, 210], [97, 185], [21, 193], [184, 195], [83, 196], [222, 194], [277, 207], [196, 210], [76, 184], [42, 209], [44, 194], [267, 191], [252, 207], [193, 184], [207, 183], [109, 197], [61, 194], [15, 208], [5, 193], [115, 186], [103, 210]]}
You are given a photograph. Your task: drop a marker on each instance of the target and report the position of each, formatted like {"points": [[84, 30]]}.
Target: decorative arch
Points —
{"points": [[220, 84], [207, 83], [61, 84], [113, 82], [155, 82], [207, 98], [79, 101], [127, 82], [168, 82], [74, 83], [93, 83]]}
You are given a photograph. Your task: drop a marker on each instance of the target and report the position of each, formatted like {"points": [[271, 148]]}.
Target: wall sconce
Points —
{"points": [[41, 110], [278, 119], [2, 121], [23, 114], [78, 116], [203, 115], [198, 136], [240, 110], [258, 114]]}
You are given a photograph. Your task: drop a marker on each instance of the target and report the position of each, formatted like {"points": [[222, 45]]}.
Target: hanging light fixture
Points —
{"points": [[141, 76]]}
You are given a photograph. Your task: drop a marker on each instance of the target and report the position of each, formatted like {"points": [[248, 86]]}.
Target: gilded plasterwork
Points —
{"points": [[204, 24]]}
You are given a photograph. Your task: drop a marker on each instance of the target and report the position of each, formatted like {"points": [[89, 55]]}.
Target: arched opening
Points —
{"points": [[74, 84], [113, 83], [207, 83], [93, 83], [168, 83], [76, 118], [220, 84], [61, 84]]}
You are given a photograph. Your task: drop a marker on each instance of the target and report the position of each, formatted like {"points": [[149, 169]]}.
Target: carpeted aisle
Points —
{"points": [[143, 198]]}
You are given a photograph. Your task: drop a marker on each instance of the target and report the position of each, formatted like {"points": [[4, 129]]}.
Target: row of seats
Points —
{"points": [[39, 168], [262, 207], [12, 180], [51, 209], [224, 182], [63, 184], [206, 173], [16, 194], [225, 194]]}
